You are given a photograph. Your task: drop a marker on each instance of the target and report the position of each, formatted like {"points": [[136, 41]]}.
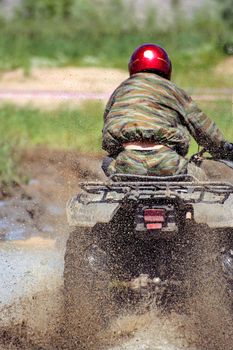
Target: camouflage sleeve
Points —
{"points": [[202, 128], [109, 105], [109, 141]]}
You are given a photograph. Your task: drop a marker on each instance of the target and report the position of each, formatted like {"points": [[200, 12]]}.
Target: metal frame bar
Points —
{"points": [[168, 190]]}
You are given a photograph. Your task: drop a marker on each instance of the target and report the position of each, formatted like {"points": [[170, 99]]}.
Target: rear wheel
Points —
{"points": [[86, 289]]}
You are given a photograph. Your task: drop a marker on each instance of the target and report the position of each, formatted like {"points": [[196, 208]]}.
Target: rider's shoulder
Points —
{"points": [[178, 92], [153, 82]]}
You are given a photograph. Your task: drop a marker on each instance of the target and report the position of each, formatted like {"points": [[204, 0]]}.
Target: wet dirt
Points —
{"points": [[33, 233], [205, 323]]}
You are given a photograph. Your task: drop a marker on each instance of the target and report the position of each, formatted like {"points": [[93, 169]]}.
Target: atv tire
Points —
{"points": [[86, 292]]}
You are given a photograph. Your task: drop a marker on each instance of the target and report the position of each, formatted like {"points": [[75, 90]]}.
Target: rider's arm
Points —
{"points": [[109, 141], [204, 130]]}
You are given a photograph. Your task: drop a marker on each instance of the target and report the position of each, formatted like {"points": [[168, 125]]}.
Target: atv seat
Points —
{"points": [[131, 177]]}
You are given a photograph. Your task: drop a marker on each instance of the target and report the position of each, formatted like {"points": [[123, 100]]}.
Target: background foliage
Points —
{"points": [[100, 32]]}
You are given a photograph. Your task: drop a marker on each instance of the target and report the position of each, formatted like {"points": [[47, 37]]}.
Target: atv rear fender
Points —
{"points": [[212, 203]]}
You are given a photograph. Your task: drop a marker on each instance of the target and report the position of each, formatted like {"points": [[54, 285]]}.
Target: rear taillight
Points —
{"points": [[154, 218]]}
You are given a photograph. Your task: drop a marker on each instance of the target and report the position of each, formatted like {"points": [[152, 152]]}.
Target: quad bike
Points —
{"points": [[137, 233]]}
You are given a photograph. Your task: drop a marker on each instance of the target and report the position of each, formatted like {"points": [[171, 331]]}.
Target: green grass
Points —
{"points": [[63, 128], [78, 129], [9, 160], [23, 128]]}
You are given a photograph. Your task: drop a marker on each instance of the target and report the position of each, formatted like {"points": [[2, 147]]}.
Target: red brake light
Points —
{"points": [[154, 215], [154, 226]]}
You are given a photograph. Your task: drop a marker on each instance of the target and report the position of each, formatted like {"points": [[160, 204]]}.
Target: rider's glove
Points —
{"points": [[227, 151]]}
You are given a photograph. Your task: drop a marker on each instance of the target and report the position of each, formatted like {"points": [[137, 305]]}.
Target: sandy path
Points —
{"points": [[58, 85], [49, 87]]}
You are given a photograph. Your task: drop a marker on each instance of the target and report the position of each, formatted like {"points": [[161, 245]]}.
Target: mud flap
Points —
{"points": [[89, 214], [215, 215]]}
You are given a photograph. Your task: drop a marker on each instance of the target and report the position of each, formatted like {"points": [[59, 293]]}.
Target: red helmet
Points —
{"points": [[150, 57]]}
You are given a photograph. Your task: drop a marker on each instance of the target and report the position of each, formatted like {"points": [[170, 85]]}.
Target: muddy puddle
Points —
{"points": [[31, 260], [32, 310], [33, 234], [154, 331], [32, 304], [30, 291]]}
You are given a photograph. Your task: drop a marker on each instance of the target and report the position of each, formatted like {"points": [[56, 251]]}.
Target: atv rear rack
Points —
{"points": [[189, 192]]}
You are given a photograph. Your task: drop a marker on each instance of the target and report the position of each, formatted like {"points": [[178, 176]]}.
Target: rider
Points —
{"points": [[148, 119]]}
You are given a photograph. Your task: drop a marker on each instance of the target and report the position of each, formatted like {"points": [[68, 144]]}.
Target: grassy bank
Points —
{"points": [[26, 128], [77, 129], [62, 129]]}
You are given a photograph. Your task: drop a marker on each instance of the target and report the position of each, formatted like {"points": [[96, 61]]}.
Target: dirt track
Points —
{"points": [[32, 301], [50, 87]]}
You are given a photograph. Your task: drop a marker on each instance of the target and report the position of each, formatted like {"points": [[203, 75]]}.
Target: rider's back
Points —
{"points": [[146, 107], [148, 120]]}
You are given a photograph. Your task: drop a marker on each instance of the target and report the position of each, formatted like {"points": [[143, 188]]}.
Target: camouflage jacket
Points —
{"points": [[148, 107]]}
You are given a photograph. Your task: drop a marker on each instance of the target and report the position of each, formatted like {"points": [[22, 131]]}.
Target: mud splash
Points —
{"points": [[33, 322], [33, 233], [153, 331], [199, 329], [31, 291], [210, 305]]}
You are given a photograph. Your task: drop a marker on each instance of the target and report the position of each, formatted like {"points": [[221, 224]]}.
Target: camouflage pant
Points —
{"points": [[161, 162]]}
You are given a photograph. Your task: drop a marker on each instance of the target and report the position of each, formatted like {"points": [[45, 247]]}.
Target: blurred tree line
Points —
{"points": [[42, 9], [103, 32], [227, 12]]}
